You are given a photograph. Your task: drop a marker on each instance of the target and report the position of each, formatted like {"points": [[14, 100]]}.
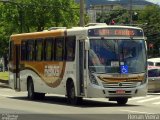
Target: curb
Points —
{"points": [[4, 86], [4, 83]]}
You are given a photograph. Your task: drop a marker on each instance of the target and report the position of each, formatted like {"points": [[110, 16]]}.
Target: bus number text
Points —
{"points": [[52, 71]]}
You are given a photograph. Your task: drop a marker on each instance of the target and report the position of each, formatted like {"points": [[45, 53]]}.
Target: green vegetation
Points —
{"points": [[20, 16], [4, 75], [151, 17]]}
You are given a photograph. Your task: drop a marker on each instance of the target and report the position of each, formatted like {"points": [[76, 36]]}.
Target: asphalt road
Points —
{"points": [[16, 105]]}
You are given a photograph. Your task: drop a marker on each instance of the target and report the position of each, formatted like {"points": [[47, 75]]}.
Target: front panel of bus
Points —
{"points": [[117, 62]]}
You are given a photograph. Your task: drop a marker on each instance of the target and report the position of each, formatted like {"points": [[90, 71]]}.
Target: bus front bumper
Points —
{"points": [[95, 91]]}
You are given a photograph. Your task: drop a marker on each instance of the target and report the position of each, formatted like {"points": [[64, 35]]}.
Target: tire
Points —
{"points": [[30, 88], [122, 101], [71, 96], [33, 95]]}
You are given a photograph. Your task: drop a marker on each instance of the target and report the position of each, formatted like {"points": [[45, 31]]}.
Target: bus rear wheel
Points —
{"points": [[122, 101], [33, 95], [71, 96]]}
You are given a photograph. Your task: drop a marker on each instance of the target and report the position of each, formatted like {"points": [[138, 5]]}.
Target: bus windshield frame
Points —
{"points": [[110, 56]]}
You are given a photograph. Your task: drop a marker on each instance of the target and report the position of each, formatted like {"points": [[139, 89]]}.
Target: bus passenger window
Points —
{"points": [[30, 50], [59, 49], [70, 48], [39, 50], [11, 44], [23, 50], [48, 49]]}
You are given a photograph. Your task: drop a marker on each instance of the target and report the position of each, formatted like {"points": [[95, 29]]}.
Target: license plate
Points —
{"points": [[120, 91]]}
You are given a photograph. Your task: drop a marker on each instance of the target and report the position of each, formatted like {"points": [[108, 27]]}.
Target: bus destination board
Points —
{"points": [[113, 32]]}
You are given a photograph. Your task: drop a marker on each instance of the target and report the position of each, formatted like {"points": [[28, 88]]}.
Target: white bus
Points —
{"points": [[84, 62]]}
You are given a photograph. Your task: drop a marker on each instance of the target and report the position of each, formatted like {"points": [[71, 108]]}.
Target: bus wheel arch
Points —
{"points": [[71, 93]]}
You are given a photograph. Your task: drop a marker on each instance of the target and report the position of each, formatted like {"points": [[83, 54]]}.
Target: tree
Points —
{"points": [[119, 15], [149, 18], [19, 16]]}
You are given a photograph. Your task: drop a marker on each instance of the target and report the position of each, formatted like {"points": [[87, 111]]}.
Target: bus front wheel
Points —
{"points": [[71, 96], [122, 101]]}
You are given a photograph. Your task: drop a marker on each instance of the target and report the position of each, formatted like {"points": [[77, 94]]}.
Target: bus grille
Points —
{"points": [[120, 84]]}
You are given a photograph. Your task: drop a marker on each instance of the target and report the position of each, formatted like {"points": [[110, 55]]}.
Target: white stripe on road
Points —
{"points": [[137, 98], [146, 100], [153, 93], [156, 103], [132, 111], [5, 95]]}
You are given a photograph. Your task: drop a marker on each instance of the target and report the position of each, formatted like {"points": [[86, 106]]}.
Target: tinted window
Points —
{"points": [[70, 48], [153, 73], [39, 50], [30, 50], [11, 50], [59, 47], [23, 50], [157, 64], [49, 49], [150, 63]]}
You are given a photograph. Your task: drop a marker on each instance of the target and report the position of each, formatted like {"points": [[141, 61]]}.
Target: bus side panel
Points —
{"points": [[11, 79], [42, 85]]}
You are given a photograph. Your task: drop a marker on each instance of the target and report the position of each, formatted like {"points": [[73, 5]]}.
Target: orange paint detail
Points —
{"points": [[121, 79], [51, 80]]}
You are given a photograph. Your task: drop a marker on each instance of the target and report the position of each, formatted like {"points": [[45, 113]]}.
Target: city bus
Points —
{"points": [[80, 62]]}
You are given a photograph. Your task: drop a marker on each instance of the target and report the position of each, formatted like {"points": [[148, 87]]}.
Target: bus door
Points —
{"points": [[81, 64], [16, 68]]}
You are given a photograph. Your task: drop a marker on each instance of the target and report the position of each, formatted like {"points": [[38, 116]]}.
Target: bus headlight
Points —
{"points": [[93, 79]]}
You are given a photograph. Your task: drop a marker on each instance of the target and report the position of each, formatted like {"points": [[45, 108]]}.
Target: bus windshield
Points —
{"points": [[111, 56]]}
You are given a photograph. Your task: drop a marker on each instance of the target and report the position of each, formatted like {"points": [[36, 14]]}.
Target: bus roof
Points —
{"points": [[61, 32], [35, 35], [113, 26]]}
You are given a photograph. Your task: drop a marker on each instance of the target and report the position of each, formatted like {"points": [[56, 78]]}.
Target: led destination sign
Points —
{"points": [[114, 32]]}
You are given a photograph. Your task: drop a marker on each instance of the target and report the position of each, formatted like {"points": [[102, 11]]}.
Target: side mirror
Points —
{"points": [[87, 45], [146, 45]]}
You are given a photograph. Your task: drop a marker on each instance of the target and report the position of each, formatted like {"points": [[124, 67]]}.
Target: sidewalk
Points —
{"points": [[4, 83]]}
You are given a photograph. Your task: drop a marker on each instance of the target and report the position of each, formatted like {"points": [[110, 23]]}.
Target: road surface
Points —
{"points": [[15, 104]]}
